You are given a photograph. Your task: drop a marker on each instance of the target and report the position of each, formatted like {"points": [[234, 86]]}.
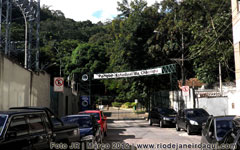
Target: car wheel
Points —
{"points": [[177, 127], [150, 121], [188, 130], [161, 123]]}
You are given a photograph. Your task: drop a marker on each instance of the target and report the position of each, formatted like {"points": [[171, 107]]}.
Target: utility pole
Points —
{"points": [[220, 78], [182, 66], [0, 23]]}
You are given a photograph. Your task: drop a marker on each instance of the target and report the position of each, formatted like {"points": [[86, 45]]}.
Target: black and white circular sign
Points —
{"points": [[85, 77], [84, 103]]}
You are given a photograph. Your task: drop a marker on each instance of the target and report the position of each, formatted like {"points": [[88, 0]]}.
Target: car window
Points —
{"points": [[211, 129], [223, 126], [168, 111], [19, 125], [48, 125], [94, 121], [196, 113], [35, 123], [208, 123], [3, 119], [82, 121], [96, 115]]}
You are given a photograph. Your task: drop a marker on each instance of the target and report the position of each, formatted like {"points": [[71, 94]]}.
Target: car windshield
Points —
{"points": [[223, 126], [82, 121], [197, 113], [168, 111], [3, 119], [96, 115]]}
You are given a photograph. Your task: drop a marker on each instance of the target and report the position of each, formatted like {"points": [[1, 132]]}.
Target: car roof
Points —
{"points": [[91, 111], [190, 109], [163, 108], [78, 115], [18, 111], [228, 117]]}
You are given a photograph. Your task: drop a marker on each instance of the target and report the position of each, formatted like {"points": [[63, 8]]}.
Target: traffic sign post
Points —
{"points": [[58, 84]]}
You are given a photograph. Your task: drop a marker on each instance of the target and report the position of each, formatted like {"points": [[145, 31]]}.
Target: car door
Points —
{"points": [[184, 119], [158, 115], [211, 132], [153, 115], [180, 119], [17, 135], [38, 134], [205, 130]]}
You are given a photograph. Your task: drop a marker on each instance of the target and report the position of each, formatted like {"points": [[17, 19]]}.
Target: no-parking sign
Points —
{"points": [[58, 84], [185, 90]]}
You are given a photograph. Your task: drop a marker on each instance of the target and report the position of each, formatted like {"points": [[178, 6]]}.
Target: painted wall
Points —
{"points": [[20, 87], [215, 106]]}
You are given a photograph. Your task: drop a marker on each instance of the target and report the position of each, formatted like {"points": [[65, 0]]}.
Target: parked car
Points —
{"points": [[25, 129], [90, 130], [101, 119], [232, 137], [191, 120], [61, 132], [162, 116], [216, 130]]}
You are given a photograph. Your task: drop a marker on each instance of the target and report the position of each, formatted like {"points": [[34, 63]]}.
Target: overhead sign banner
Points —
{"points": [[154, 71], [58, 84]]}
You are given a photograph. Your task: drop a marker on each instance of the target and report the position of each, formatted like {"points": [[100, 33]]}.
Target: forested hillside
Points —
{"points": [[141, 37]]}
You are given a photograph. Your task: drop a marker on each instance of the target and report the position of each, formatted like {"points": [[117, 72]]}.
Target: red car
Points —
{"points": [[102, 120]]}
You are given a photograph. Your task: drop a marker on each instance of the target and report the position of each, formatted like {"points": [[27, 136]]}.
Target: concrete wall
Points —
{"points": [[215, 106], [64, 103], [20, 87], [234, 103]]}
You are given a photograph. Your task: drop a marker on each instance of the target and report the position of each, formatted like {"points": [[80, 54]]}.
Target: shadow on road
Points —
{"points": [[115, 139]]}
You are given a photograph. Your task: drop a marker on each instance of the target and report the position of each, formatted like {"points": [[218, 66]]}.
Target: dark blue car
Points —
{"points": [[90, 130]]}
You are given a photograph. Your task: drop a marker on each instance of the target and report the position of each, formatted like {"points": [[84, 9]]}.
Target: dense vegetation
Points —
{"points": [[141, 37]]}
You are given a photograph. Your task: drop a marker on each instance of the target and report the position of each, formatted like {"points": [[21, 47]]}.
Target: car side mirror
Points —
{"points": [[104, 119]]}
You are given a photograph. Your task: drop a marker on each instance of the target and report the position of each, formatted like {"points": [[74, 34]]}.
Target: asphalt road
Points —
{"points": [[135, 134]]}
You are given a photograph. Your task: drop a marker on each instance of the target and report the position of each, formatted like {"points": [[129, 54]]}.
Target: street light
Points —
{"points": [[27, 10], [26, 37]]}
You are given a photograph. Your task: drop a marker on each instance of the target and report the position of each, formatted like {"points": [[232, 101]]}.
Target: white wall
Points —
{"points": [[215, 106]]}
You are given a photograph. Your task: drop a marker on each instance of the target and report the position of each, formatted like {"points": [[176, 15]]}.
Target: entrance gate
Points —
{"points": [[159, 98]]}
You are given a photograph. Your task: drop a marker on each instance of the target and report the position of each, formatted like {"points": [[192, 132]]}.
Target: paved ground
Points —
{"points": [[135, 132], [122, 133]]}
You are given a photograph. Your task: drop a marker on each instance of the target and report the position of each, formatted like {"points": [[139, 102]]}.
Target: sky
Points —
{"points": [[82, 10]]}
